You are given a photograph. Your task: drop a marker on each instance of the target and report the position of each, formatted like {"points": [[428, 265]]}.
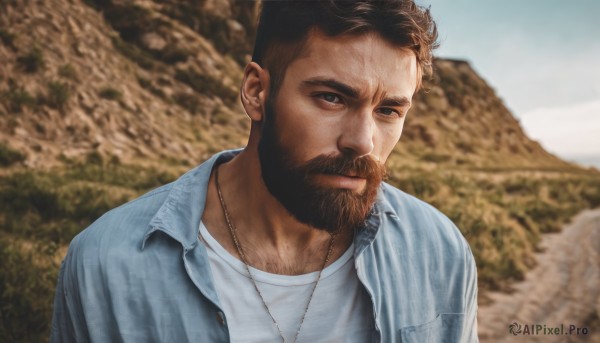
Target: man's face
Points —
{"points": [[336, 118]]}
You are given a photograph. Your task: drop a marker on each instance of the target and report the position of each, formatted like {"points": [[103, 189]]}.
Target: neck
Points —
{"points": [[272, 238], [259, 213]]}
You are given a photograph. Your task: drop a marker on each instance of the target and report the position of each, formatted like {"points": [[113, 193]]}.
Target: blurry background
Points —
{"points": [[542, 57], [103, 100]]}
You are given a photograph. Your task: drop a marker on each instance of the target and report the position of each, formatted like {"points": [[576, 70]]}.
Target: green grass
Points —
{"points": [[53, 206], [9, 156], [28, 278], [503, 218], [40, 212]]}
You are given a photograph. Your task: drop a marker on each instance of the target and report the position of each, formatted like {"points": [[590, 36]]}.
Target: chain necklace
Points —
{"points": [[236, 241]]}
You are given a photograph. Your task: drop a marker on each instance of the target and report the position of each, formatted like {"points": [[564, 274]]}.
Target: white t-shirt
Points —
{"points": [[340, 310]]}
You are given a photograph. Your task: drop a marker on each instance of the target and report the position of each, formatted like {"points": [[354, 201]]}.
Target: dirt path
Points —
{"points": [[564, 288]]}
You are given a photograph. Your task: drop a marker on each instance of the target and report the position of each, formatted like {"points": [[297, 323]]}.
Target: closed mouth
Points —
{"points": [[353, 175]]}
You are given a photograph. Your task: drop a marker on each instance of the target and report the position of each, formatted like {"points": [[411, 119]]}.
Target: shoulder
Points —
{"points": [[425, 241], [414, 213], [115, 236], [105, 256], [172, 210], [126, 221], [418, 254], [418, 225]]}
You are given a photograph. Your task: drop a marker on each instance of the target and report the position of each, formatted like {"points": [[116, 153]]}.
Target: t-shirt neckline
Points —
{"points": [[271, 278]]}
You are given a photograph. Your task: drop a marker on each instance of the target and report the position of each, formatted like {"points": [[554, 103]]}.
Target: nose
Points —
{"points": [[357, 134]]}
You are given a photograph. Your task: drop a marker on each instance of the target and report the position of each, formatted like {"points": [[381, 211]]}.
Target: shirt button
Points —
{"points": [[221, 318]]}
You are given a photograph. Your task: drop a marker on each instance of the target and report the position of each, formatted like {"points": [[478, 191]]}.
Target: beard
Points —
{"points": [[330, 209]]}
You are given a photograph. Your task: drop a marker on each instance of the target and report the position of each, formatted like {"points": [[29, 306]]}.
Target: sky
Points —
{"points": [[543, 59]]}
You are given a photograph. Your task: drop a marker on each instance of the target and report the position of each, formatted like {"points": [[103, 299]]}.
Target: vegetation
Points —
{"points": [[58, 95], [40, 212], [17, 98], [190, 102], [33, 61], [68, 72], [216, 27], [135, 54], [206, 84], [503, 220], [28, 279], [110, 93], [9, 156], [7, 38]]}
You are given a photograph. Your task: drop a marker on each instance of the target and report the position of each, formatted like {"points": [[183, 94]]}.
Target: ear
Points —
{"points": [[255, 88]]}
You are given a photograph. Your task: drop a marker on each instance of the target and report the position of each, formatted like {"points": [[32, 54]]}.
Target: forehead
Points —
{"points": [[367, 62]]}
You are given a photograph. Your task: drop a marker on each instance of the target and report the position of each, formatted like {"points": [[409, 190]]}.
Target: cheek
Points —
{"points": [[387, 139], [304, 131], [310, 138], [297, 136]]}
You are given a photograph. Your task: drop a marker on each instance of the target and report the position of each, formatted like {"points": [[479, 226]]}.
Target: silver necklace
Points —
{"points": [[238, 246]]}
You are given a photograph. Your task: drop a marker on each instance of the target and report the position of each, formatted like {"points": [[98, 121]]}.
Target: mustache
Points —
{"points": [[364, 167]]}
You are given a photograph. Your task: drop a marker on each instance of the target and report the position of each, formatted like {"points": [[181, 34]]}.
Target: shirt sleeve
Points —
{"points": [[62, 327], [469, 333], [68, 319]]}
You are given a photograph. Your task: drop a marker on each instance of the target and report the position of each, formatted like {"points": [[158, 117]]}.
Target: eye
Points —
{"points": [[330, 97], [389, 112]]}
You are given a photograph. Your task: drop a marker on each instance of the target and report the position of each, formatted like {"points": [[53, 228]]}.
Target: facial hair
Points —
{"points": [[290, 182]]}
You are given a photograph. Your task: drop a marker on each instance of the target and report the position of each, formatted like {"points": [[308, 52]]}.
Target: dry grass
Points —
{"points": [[503, 216]]}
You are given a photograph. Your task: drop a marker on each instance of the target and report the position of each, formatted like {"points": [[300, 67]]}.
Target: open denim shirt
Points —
{"points": [[140, 273]]}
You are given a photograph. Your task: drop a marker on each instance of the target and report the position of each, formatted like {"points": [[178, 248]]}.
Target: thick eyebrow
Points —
{"points": [[343, 88], [352, 92], [396, 102]]}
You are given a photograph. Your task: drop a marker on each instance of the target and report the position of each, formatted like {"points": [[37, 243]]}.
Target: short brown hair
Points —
{"points": [[284, 26]]}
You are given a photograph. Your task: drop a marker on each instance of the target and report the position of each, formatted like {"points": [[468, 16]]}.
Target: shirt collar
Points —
{"points": [[367, 233], [382, 203], [179, 216]]}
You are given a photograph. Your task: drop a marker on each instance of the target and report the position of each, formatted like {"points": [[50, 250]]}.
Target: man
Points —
{"points": [[294, 238]]}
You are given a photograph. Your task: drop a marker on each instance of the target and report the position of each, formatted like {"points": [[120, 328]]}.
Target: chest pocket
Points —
{"points": [[445, 328]]}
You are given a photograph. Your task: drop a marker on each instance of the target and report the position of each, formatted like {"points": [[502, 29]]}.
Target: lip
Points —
{"points": [[343, 181]]}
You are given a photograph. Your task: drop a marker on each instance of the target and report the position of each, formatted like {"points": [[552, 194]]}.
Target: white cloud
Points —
{"points": [[567, 131]]}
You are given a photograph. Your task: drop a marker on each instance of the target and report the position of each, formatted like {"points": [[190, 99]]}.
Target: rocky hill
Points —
{"points": [[122, 78], [155, 80], [461, 120]]}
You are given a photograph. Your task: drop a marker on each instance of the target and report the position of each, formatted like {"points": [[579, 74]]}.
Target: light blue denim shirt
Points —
{"points": [[140, 274]]}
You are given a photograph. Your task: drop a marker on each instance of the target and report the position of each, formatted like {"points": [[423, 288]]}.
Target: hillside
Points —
{"points": [[102, 100], [131, 80], [155, 80]]}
